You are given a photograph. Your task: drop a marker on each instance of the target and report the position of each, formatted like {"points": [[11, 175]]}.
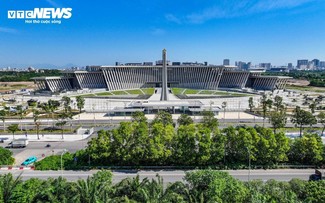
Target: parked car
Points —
{"points": [[29, 160]]}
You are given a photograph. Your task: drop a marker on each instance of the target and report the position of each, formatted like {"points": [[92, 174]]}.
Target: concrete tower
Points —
{"points": [[164, 91]]}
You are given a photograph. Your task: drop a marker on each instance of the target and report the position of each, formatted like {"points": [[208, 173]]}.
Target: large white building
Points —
{"points": [[184, 75]]}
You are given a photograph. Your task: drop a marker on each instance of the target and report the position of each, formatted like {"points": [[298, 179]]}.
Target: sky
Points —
{"points": [[104, 32]]}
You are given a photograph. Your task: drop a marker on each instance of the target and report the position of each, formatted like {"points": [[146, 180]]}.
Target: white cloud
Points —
{"points": [[230, 9], [8, 30], [172, 18], [267, 5], [158, 32]]}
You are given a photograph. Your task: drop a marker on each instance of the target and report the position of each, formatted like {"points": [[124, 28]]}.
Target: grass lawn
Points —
{"points": [[207, 92], [148, 91], [104, 94], [191, 91], [119, 92], [88, 95], [137, 91], [177, 90]]}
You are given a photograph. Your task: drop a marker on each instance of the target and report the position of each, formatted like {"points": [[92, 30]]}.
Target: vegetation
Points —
{"points": [[316, 78], [160, 143], [302, 118], [13, 128], [197, 186], [14, 76], [6, 157]]}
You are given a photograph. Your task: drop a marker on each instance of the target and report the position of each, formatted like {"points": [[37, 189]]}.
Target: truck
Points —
{"points": [[18, 143]]}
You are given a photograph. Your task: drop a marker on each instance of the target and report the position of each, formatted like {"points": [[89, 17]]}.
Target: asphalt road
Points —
{"points": [[169, 176]]}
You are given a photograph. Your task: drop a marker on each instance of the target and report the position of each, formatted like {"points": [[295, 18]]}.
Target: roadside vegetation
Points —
{"points": [[197, 186], [139, 143], [6, 157]]}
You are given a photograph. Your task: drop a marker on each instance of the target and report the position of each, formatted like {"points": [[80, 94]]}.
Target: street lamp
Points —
{"points": [[64, 151]]}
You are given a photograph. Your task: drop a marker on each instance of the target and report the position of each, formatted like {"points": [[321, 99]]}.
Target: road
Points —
{"points": [[169, 176]]}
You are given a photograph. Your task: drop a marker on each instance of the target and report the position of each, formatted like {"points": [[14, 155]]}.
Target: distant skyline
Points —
{"points": [[105, 32]]}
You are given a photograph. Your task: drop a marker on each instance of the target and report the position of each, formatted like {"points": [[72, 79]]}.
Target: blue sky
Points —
{"points": [[103, 32]]}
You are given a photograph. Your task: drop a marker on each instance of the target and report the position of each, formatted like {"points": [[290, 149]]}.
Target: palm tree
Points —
{"points": [[92, 190], [20, 112], [3, 114], [13, 128], [36, 118], [7, 185], [131, 188]]}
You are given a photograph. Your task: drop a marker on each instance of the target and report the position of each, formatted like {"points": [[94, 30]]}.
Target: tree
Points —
{"points": [[321, 120], [7, 185], [209, 120], [278, 103], [13, 128], [164, 117], [266, 104], [3, 114], [66, 103], [20, 112], [80, 103], [184, 119], [301, 118], [6, 157], [215, 186], [95, 188], [278, 119], [307, 149], [36, 121], [62, 121], [139, 116], [251, 104], [50, 108], [312, 107]]}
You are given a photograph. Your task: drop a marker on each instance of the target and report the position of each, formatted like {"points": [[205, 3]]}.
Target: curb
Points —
{"points": [[9, 168]]}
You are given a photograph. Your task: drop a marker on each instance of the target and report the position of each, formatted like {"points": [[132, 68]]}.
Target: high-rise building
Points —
{"points": [[316, 62], [302, 64], [243, 65], [265, 65], [322, 64], [290, 66], [226, 62]]}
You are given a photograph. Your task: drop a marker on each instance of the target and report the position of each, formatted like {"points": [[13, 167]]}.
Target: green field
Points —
{"points": [[177, 91], [306, 88], [134, 91], [104, 94], [191, 91], [148, 91]]}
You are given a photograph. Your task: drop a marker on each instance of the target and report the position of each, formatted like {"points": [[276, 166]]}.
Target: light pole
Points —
{"points": [[93, 105], [64, 151]]}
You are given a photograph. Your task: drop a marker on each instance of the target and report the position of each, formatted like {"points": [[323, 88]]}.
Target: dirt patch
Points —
{"points": [[7, 86]]}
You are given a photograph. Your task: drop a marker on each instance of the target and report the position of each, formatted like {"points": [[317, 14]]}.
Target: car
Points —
{"points": [[29, 160]]}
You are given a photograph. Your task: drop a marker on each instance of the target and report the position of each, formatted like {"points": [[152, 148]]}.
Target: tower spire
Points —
{"points": [[164, 91]]}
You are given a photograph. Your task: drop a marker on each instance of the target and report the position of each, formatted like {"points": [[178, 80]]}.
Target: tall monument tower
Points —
{"points": [[164, 91]]}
